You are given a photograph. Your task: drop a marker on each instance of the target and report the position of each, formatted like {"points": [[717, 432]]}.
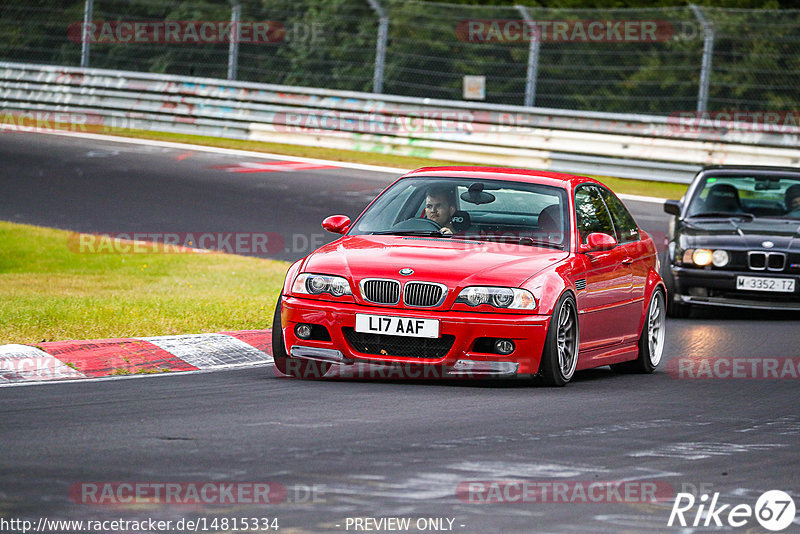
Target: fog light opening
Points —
{"points": [[303, 331], [504, 346]]}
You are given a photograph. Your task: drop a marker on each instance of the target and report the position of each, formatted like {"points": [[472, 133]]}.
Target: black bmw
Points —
{"points": [[735, 240]]}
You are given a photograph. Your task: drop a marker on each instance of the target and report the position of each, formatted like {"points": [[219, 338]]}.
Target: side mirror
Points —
{"points": [[598, 241], [337, 224], [673, 207]]}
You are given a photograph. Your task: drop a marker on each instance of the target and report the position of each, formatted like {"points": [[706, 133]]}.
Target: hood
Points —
{"points": [[453, 262], [737, 233]]}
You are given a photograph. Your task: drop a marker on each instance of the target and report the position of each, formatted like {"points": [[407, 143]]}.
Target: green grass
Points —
{"points": [[50, 292]]}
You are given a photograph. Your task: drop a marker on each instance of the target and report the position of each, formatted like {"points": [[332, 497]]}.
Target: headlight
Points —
{"points": [[499, 297], [316, 284], [703, 257], [720, 258]]}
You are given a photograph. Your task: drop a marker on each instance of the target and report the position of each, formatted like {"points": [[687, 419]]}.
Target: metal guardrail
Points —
{"points": [[625, 145]]}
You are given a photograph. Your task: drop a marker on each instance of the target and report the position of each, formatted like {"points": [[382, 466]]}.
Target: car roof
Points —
{"points": [[750, 168], [557, 179]]}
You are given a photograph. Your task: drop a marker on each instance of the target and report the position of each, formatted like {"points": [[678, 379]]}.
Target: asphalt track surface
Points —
{"points": [[369, 448]]}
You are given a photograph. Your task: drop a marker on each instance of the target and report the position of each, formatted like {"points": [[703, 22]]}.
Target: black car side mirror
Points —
{"points": [[673, 207]]}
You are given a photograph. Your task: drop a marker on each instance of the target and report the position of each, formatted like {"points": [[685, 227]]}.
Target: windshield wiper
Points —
{"points": [[528, 241], [423, 233], [723, 214]]}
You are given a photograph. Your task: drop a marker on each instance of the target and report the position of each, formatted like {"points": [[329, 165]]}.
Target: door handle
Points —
{"points": [[627, 261]]}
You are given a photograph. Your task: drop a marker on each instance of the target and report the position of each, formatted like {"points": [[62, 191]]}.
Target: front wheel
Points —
{"points": [[560, 354], [296, 367], [651, 340]]}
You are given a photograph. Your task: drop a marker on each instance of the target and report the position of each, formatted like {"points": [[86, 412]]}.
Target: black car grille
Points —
{"points": [[423, 294], [770, 261], [381, 291], [399, 346]]}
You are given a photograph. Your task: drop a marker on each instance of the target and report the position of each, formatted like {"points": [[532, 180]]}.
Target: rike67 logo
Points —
{"points": [[774, 511]]}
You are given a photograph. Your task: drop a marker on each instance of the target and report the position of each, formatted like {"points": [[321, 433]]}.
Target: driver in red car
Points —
{"points": [[440, 205]]}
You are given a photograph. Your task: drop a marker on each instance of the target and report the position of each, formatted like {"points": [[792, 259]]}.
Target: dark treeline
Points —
{"points": [[756, 59]]}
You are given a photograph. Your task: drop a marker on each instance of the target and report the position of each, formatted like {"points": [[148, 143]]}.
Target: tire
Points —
{"points": [[675, 309], [651, 340], [295, 367], [560, 353]]}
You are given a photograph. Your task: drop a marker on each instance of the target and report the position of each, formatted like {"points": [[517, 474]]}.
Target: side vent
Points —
{"points": [[580, 285]]}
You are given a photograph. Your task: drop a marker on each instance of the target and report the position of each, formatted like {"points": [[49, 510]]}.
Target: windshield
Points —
{"points": [[747, 196], [464, 208]]}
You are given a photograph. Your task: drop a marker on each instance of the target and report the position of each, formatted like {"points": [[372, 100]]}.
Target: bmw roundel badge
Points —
{"points": [[406, 271]]}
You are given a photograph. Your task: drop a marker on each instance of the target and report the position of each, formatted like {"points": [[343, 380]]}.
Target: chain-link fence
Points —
{"points": [[658, 61]]}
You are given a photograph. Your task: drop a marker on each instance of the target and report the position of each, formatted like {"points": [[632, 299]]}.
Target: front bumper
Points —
{"points": [[464, 357], [715, 287]]}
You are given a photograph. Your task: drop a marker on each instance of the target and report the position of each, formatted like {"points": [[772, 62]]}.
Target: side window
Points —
{"points": [[627, 229], [591, 212]]}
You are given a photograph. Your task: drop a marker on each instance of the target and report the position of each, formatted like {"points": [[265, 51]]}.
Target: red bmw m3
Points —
{"points": [[478, 272]]}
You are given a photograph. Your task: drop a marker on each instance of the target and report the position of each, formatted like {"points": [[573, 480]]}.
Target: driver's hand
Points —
{"points": [[446, 231]]}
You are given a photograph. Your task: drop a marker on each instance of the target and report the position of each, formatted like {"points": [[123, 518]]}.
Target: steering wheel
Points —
{"points": [[417, 224]]}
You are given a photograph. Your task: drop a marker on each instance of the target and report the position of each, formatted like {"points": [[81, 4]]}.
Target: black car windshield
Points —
{"points": [[747, 196], [469, 208]]}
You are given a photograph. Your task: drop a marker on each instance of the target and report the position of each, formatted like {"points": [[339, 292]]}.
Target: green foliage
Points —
{"points": [[332, 44]]}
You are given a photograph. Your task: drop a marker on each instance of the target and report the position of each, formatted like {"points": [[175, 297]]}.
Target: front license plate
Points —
{"points": [[758, 283], [397, 326]]}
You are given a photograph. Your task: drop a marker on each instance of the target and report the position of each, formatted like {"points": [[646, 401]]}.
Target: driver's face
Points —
{"points": [[794, 202], [438, 210]]}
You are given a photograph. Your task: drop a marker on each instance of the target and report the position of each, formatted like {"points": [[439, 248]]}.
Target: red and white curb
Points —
{"points": [[72, 360]]}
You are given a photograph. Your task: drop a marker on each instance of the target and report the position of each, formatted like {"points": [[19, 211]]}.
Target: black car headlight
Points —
{"points": [[499, 297], [720, 258], [703, 257], [317, 284]]}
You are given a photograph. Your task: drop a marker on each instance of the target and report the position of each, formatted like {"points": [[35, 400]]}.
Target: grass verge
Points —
{"points": [[50, 293]]}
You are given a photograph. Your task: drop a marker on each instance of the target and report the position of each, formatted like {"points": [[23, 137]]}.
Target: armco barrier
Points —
{"points": [[626, 145]]}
